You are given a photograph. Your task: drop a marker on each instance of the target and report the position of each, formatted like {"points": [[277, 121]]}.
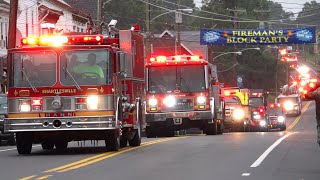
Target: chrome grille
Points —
{"points": [[182, 104], [65, 101], [228, 112]]}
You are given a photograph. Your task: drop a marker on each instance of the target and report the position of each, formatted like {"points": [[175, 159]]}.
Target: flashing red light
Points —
{"points": [[271, 105], [176, 58], [294, 83], [152, 59], [227, 93], [283, 51], [36, 102], [261, 110], [81, 100], [305, 92], [312, 85], [195, 58], [161, 58]]}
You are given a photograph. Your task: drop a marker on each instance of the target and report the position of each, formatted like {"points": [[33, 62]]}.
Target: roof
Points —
{"points": [[4, 2], [190, 40], [89, 8], [74, 10]]}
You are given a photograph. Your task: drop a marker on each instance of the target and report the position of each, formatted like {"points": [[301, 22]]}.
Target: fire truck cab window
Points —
{"points": [[169, 78], [86, 67], [231, 100], [256, 101], [34, 69]]}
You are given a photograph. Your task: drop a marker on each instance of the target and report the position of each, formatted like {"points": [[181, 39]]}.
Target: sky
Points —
{"points": [[294, 6]]}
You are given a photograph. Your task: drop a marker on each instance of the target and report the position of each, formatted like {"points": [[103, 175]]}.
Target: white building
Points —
{"points": [[4, 24], [34, 13]]}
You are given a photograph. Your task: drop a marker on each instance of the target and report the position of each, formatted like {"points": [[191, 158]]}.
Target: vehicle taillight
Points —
{"points": [[36, 104], [81, 103]]}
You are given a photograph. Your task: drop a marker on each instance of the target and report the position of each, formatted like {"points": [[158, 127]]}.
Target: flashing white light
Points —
{"points": [[92, 102], [201, 100], [257, 116], [263, 123], [288, 105], [169, 101], [281, 119], [238, 114], [25, 107], [153, 102], [303, 69]]}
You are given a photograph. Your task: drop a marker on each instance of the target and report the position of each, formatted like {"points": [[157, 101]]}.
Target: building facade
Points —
{"points": [[4, 24]]}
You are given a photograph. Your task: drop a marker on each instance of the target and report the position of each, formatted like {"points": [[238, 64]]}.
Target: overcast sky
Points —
{"points": [[289, 5]]}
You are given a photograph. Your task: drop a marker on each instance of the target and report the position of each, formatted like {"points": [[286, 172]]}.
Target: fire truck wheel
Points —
{"points": [[47, 145], [123, 141], [24, 143], [112, 141], [220, 128], [283, 128], [211, 129], [61, 145], [150, 132], [136, 140]]}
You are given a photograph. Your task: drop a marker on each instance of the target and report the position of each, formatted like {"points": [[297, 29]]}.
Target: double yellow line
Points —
{"points": [[95, 159], [299, 117]]}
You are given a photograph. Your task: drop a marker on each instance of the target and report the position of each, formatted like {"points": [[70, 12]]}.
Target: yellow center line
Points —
{"points": [[299, 117], [116, 153], [101, 155], [27, 178], [43, 177]]}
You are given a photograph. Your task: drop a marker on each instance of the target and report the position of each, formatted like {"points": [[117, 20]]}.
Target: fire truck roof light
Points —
{"points": [[195, 58], [161, 58]]}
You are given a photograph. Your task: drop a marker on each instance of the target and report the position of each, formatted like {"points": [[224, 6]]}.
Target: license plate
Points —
{"points": [[60, 114], [177, 121]]}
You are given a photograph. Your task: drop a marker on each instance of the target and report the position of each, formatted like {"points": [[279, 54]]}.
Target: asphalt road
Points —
{"points": [[223, 157]]}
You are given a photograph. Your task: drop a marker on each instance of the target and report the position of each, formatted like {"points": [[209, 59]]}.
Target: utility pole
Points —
{"points": [[99, 16], [178, 19], [12, 33], [236, 25], [147, 53], [261, 24]]}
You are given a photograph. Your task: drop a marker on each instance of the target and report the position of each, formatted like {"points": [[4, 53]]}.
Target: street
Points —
{"points": [[228, 156]]}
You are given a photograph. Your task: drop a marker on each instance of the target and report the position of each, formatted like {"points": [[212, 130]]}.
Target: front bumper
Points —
{"points": [[191, 115], [67, 123]]}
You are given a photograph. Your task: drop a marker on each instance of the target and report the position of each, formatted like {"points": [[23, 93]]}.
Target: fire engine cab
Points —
{"points": [[237, 108], [182, 92], [258, 106], [76, 87]]}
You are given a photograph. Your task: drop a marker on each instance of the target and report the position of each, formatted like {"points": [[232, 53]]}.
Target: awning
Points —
{"points": [[49, 15]]}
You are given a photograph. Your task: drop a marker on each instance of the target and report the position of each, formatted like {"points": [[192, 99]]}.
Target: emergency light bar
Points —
{"points": [[60, 40], [177, 58]]}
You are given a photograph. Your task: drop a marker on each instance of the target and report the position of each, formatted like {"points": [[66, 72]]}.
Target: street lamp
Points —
{"points": [[257, 48], [237, 52]]}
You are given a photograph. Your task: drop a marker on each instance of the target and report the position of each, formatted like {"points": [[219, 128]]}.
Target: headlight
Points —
{"points": [[257, 116], [288, 105], [281, 119], [238, 114], [92, 102], [201, 100], [263, 123], [153, 102], [169, 101], [24, 106]]}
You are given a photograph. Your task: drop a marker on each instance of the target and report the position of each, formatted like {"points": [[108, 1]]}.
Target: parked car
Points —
{"points": [[9, 137]]}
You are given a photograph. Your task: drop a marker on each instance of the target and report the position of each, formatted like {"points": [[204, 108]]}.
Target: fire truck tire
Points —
{"points": [[136, 140], [211, 129], [112, 142], [150, 132], [123, 141], [220, 128], [47, 145], [61, 145], [283, 128], [24, 143]]}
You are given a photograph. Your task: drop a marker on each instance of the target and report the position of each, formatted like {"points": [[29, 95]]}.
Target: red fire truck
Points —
{"points": [[76, 87], [182, 92]]}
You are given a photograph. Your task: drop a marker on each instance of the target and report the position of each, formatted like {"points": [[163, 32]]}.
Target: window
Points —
{"points": [[86, 67]]}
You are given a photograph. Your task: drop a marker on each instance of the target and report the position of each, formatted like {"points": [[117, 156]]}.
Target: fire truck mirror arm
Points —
{"points": [[27, 78], [74, 80]]}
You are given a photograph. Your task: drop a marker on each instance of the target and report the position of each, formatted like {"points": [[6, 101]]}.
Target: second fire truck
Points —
{"points": [[182, 92], [76, 87]]}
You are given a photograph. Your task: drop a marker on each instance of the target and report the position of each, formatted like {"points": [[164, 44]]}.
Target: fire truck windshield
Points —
{"points": [[166, 79], [34, 69], [231, 100], [256, 101], [86, 67]]}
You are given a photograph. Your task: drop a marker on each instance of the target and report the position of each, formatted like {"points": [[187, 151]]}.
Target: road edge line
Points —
{"points": [[269, 150]]}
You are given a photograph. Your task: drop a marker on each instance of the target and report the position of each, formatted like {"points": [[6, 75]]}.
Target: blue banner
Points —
{"points": [[257, 36]]}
